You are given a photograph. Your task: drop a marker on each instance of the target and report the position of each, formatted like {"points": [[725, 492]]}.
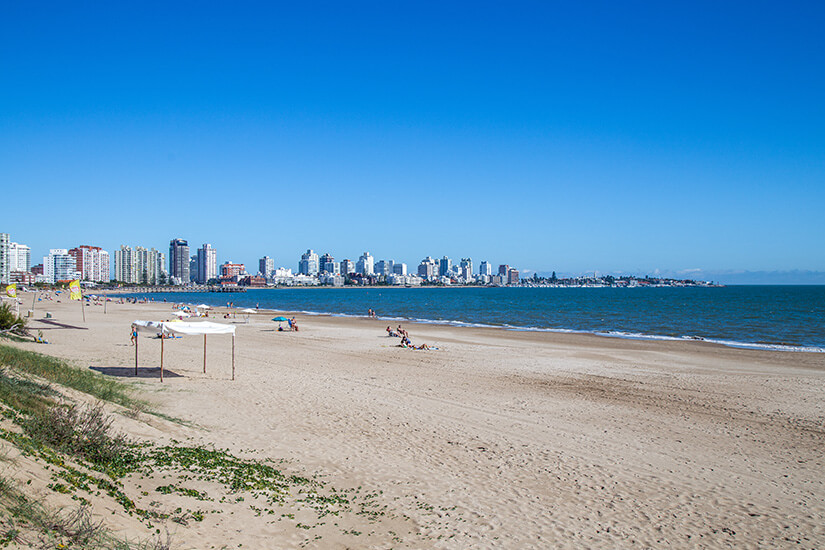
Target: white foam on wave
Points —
{"points": [[608, 334]]}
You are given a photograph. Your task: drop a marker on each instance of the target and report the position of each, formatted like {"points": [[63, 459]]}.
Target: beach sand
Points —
{"points": [[498, 439]]}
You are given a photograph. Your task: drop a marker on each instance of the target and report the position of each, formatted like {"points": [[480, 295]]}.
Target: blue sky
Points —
{"points": [[619, 137]]}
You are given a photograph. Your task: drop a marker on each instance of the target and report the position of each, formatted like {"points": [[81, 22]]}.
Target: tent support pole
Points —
{"points": [[233, 356], [161, 356], [136, 350], [204, 353]]}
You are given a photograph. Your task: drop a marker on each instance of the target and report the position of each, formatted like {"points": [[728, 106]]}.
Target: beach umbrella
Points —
{"points": [[279, 320], [180, 314], [203, 306], [248, 311]]}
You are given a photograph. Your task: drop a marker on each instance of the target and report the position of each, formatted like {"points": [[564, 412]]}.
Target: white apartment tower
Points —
{"points": [[20, 257], [266, 266], [59, 265], [5, 260], [309, 264], [428, 268], [207, 263], [365, 264], [140, 265]]}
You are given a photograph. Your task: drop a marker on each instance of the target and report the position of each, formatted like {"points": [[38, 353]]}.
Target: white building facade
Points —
{"points": [[59, 265], [309, 264], [140, 266], [20, 257], [207, 263], [5, 260], [365, 264]]}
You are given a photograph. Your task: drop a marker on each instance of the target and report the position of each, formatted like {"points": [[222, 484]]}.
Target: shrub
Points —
{"points": [[85, 432], [10, 321]]}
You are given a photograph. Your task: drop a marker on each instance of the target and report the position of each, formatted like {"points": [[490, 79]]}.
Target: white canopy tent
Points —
{"points": [[189, 329]]}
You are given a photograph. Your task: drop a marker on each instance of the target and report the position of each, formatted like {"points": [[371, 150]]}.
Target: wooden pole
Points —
{"points": [[161, 356], [82, 306], [34, 300], [233, 357], [136, 352], [104, 303], [204, 353]]}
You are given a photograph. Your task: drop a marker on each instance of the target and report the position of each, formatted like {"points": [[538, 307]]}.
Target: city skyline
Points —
{"points": [[721, 276], [575, 138]]}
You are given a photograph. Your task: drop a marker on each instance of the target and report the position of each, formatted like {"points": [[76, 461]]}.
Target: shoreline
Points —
{"points": [[622, 335]]}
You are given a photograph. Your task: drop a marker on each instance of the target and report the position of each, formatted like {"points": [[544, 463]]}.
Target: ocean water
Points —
{"points": [[770, 317]]}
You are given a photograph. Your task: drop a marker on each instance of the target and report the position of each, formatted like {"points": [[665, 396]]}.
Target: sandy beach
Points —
{"points": [[498, 439]]}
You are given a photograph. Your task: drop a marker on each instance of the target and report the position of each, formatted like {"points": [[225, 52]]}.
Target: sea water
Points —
{"points": [[769, 317]]}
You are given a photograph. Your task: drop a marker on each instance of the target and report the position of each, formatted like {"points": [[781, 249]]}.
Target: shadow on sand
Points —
{"points": [[54, 324], [143, 372]]}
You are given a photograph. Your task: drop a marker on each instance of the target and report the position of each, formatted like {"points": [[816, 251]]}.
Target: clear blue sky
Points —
{"points": [[567, 136]]}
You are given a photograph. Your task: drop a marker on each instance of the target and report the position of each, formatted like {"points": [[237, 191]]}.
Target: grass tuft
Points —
{"points": [[60, 372], [24, 395]]}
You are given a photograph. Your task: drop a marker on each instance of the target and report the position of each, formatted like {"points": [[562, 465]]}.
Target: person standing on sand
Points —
{"points": [[134, 336]]}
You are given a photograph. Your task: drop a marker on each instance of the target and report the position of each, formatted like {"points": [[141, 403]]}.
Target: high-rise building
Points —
{"points": [[399, 268], [309, 263], [125, 265], [266, 266], [59, 265], [140, 266], [365, 264], [193, 268], [328, 265], [428, 268], [485, 268], [179, 261], [512, 276], [445, 265], [466, 268], [384, 267], [347, 267], [207, 263], [5, 260], [503, 269], [92, 262], [20, 257]]}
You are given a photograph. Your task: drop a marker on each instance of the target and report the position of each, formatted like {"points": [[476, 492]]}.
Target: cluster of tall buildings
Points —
{"points": [[141, 265], [85, 262], [133, 265], [368, 271]]}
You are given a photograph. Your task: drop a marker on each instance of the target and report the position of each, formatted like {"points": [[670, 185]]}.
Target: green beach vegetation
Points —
{"points": [[85, 458]]}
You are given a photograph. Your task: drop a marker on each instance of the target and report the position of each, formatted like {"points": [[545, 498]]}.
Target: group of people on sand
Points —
{"points": [[292, 323], [405, 339]]}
